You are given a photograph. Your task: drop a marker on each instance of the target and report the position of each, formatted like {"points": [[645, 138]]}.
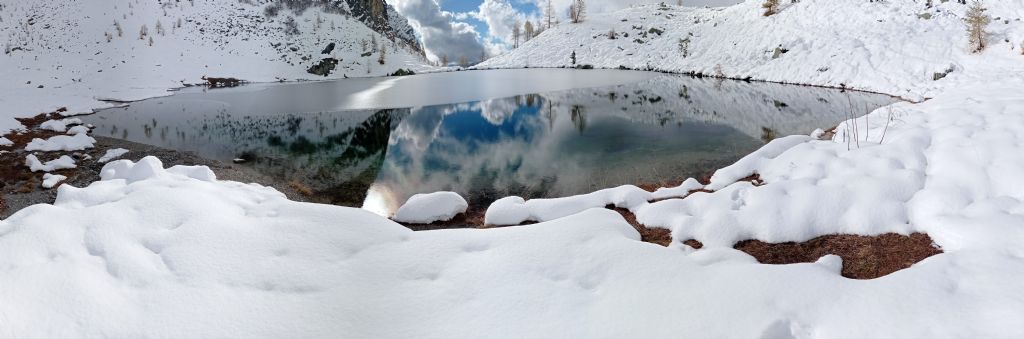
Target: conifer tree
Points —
{"points": [[770, 7], [977, 21]]}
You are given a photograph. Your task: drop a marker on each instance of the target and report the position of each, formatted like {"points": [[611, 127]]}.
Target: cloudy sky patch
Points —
{"points": [[470, 27]]}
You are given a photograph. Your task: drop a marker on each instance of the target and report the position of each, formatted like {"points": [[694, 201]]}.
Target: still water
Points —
{"points": [[485, 134]]}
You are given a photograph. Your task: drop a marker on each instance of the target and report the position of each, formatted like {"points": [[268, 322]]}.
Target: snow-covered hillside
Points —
{"points": [[895, 47], [75, 53]]}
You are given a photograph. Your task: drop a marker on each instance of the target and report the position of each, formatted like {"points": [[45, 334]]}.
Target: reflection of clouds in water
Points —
{"points": [[496, 111], [420, 128], [455, 162], [653, 130], [381, 201]]}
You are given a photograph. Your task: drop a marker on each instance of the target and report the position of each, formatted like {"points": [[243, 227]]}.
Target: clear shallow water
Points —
{"points": [[631, 128]]}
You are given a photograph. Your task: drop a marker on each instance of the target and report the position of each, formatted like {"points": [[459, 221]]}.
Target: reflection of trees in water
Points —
{"points": [[341, 167], [578, 114], [768, 134], [309, 149]]}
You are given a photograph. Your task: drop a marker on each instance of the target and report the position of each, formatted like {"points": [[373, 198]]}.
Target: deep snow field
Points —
{"points": [[155, 252]]}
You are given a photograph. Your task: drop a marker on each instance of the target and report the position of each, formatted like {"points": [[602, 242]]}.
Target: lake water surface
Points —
{"points": [[485, 134]]}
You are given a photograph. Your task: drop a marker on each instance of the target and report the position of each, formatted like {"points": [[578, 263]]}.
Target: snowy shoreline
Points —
{"points": [[695, 74]]}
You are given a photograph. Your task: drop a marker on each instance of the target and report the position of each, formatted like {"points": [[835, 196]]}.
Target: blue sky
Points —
{"points": [[466, 6]]}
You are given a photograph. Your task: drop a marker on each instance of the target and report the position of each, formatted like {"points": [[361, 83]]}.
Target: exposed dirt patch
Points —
{"points": [[864, 257], [658, 236]]}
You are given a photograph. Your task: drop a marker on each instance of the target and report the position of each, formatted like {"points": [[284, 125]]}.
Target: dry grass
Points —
{"points": [[301, 188], [28, 185], [658, 236], [694, 243], [864, 257], [472, 218]]}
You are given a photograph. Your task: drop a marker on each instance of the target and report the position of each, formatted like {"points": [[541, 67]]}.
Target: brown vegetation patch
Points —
{"points": [[754, 179], [21, 139], [41, 118], [829, 134], [864, 257], [694, 243], [28, 185], [472, 218], [651, 187], [301, 188], [12, 168], [705, 179], [658, 236]]}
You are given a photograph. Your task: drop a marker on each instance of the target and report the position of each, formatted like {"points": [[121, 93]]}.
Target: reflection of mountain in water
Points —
{"points": [[541, 145], [751, 107], [336, 154]]}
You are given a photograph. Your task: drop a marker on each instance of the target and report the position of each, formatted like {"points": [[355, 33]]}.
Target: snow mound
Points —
{"points": [[516, 210], [78, 130], [75, 142], [428, 208], [112, 154], [64, 162], [50, 180], [749, 164], [684, 189], [151, 167], [5, 142], [60, 125]]}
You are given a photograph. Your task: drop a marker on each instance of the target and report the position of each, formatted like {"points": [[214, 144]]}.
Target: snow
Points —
{"points": [[876, 46], [751, 163], [431, 207], [5, 142], [78, 130], [60, 125], [50, 180], [684, 189], [75, 142], [226, 259], [155, 252], [35, 165], [112, 154], [70, 57], [515, 210]]}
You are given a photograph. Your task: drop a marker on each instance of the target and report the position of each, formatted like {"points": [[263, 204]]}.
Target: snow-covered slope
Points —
{"points": [[57, 53], [894, 47]]}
